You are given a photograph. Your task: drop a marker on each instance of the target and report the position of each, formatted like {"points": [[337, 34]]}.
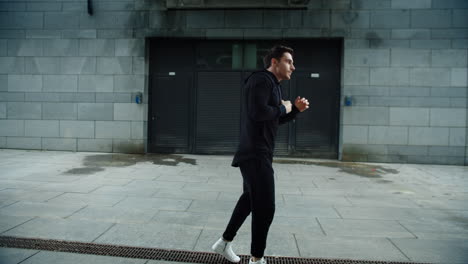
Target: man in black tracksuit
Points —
{"points": [[263, 110]]}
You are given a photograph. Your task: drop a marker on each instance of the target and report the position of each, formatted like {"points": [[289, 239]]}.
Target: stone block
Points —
{"points": [[367, 57], [61, 47], [21, 20], [97, 47], [130, 47], [76, 129], [356, 76], [3, 110], [457, 137], [243, 18], [356, 44], [96, 83], [319, 19], [449, 4], [429, 102], [94, 111], [61, 20], [449, 33], [3, 142], [114, 65], [448, 117], [60, 83], [128, 146], [342, 19], [78, 65], [129, 112], [366, 116], [78, 97], [113, 129], [411, 34], [446, 151], [388, 101], [459, 77], [390, 19], [3, 82], [431, 18], [389, 43], [59, 111], [355, 134], [11, 65], [79, 33], [458, 102], [409, 116], [429, 136], [112, 20], [408, 150], [410, 91], [19, 110], [137, 130], [3, 47], [301, 33], [12, 128], [460, 18], [115, 34], [41, 6], [389, 76], [459, 43], [138, 66], [43, 34], [127, 5], [388, 135], [454, 58], [129, 83], [283, 18], [413, 4], [410, 58], [371, 34], [430, 76], [65, 144], [42, 65], [11, 6], [12, 97], [25, 47], [12, 33], [41, 128], [430, 44], [95, 145], [114, 98], [23, 143], [205, 18]]}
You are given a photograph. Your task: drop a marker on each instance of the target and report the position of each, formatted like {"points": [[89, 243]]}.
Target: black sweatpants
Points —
{"points": [[259, 198]]}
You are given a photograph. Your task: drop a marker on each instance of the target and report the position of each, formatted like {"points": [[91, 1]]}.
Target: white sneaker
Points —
{"points": [[260, 261], [224, 248]]}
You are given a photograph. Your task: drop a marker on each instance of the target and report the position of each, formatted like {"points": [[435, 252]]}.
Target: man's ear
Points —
{"points": [[273, 61]]}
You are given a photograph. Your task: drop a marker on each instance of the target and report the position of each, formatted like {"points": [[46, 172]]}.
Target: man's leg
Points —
{"points": [[263, 205], [242, 209]]}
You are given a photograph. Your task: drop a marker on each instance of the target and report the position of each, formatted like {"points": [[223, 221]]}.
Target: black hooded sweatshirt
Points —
{"points": [[261, 114]]}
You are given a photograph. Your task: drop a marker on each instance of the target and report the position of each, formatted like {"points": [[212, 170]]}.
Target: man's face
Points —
{"points": [[285, 66]]}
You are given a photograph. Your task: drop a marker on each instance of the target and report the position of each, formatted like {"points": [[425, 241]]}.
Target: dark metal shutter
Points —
{"points": [[218, 112], [315, 128], [169, 120]]}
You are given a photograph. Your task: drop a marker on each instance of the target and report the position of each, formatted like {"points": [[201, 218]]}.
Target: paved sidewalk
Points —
{"points": [[326, 209]]}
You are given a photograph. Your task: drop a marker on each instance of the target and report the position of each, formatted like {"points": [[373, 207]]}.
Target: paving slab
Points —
{"points": [[154, 203], [86, 199], [72, 258], [63, 229], [114, 215], [15, 255], [434, 229], [363, 228], [8, 222], [349, 248], [434, 251], [155, 235], [27, 195], [186, 194], [39, 209]]}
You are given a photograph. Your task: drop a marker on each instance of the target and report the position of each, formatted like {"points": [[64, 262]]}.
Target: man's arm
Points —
{"points": [[300, 105], [258, 94]]}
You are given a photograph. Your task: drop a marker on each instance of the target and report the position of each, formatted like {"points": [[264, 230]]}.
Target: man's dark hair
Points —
{"points": [[276, 52]]}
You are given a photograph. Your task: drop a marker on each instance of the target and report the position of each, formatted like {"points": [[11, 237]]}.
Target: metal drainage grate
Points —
{"points": [[159, 254]]}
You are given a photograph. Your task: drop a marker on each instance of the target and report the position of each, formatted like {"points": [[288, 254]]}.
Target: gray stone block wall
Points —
{"points": [[67, 79]]}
